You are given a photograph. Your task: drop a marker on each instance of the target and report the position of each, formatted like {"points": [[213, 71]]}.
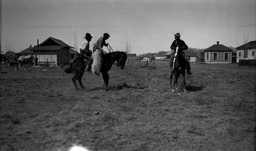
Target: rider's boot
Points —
{"points": [[189, 72]]}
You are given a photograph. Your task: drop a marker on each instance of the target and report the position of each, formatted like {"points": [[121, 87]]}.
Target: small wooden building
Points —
{"points": [[52, 51], [72, 55], [217, 54], [11, 56]]}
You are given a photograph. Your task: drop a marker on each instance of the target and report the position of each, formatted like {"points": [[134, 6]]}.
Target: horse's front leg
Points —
{"points": [[80, 80], [105, 78], [75, 77], [171, 77]]}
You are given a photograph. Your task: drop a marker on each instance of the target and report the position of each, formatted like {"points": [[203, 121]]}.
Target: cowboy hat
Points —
{"points": [[87, 35], [106, 35], [177, 35]]}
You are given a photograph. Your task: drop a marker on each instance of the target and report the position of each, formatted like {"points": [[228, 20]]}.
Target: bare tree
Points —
{"points": [[128, 47], [75, 43]]}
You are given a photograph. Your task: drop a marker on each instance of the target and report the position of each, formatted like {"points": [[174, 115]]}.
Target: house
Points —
{"points": [[52, 51], [168, 55], [72, 55], [217, 54], [246, 51], [11, 56], [191, 55], [131, 57]]}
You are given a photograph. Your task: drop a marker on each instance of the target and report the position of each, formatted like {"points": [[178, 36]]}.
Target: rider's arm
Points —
{"points": [[104, 43], [184, 46], [173, 46]]}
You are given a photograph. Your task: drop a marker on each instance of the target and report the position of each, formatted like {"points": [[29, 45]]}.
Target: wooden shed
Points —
{"points": [[52, 51], [217, 54]]}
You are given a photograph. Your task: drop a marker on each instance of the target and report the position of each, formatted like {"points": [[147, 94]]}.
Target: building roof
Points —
{"points": [[131, 55], [218, 48], [246, 46], [190, 53], [53, 41], [72, 51], [51, 44], [27, 51]]}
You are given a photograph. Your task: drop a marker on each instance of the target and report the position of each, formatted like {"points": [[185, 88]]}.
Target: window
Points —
{"points": [[239, 54], [215, 56], [207, 56], [226, 56], [253, 53]]}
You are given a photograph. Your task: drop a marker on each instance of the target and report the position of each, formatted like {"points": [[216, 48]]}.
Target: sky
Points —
{"points": [[143, 25]]}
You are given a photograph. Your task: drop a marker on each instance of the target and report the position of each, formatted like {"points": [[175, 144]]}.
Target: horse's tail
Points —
{"points": [[97, 62], [68, 69]]}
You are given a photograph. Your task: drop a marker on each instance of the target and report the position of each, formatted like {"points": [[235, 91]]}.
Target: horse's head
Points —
{"points": [[121, 61]]}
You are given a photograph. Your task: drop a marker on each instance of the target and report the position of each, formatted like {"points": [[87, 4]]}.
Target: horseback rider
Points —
{"points": [[181, 46], [101, 42], [98, 51], [85, 52]]}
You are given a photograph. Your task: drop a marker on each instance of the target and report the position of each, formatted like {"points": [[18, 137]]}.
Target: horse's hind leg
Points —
{"points": [[80, 80], [184, 83], [75, 77], [106, 78], [171, 76], [176, 76]]}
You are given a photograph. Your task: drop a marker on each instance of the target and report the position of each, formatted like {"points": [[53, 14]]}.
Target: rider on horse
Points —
{"points": [[86, 52], [98, 51], [181, 46]]}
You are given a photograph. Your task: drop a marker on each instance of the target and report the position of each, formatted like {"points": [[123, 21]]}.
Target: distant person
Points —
{"points": [[98, 51], [36, 60], [85, 52], [181, 46]]}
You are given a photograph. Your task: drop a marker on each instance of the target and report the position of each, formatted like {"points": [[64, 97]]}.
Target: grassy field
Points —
{"points": [[42, 111]]}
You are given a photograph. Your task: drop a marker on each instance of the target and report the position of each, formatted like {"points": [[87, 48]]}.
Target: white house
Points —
{"points": [[246, 51], [217, 54]]}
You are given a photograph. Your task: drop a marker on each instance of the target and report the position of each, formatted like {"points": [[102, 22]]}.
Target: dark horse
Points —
{"points": [[179, 64], [79, 65]]}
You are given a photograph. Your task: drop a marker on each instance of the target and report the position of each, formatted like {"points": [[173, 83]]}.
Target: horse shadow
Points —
{"points": [[194, 88], [117, 87]]}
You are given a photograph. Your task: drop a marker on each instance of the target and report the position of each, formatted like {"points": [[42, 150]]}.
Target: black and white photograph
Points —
{"points": [[128, 75]]}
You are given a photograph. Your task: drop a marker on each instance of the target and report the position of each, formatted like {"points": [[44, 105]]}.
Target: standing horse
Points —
{"points": [[79, 65], [179, 66]]}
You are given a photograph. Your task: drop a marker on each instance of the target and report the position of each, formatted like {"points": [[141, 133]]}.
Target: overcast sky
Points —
{"points": [[146, 25]]}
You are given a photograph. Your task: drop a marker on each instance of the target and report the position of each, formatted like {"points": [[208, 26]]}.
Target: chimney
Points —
{"points": [[37, 43], [30, 45], [218, 42]]}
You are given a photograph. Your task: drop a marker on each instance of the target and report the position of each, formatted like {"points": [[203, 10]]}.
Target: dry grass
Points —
{"points": [[41, 110]]}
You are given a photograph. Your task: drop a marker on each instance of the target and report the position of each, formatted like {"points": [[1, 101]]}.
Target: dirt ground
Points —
{"points": [[42, 111]]}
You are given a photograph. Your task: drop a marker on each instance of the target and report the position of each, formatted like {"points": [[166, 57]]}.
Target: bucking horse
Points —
{"points": [[179, 66], [78, 67]]}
